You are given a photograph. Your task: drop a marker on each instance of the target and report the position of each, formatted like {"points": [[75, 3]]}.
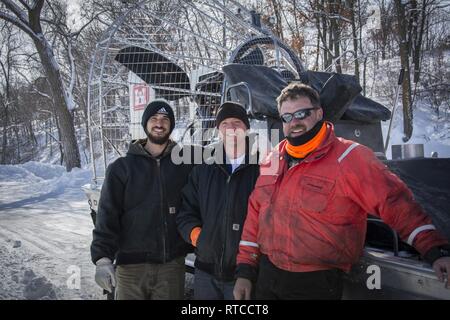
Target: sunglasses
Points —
{"points": [[299, 115]]}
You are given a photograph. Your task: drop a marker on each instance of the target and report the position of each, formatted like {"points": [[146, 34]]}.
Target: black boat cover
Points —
{"points": [[429, 180], [360, 109], [366, 110], [265, 85], [337, 91]]}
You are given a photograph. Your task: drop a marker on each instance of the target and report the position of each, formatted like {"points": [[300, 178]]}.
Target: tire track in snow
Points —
{"points": [[32, 241]]}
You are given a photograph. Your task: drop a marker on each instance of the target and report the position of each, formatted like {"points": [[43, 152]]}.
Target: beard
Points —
{"points": [[303, 128], [156, 139], [306, 136]]}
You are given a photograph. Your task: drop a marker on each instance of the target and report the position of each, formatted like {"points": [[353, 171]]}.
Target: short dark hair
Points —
{"points": [[296, 90]]}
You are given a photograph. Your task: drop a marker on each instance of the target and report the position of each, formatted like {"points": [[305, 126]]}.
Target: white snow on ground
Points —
{"points": [[429, 129], [45, 234]]}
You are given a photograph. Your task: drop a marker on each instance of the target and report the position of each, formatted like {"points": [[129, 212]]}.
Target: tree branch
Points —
{"points": [[16, 10], [4, 70], [18, 23], [33, 87], [57, 26], [77, 33], [25, 4]]}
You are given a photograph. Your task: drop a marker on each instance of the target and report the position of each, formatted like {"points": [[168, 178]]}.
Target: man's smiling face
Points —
{"points": [[296, 127]]}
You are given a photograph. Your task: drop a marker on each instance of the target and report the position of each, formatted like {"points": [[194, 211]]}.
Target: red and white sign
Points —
{"points": [[141, 96]]}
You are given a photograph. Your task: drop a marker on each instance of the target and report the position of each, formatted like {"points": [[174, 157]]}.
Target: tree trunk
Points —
{"points": [[325, 33], [355, 37], [427, 41], [361, 49], [417, 54], [5, 135], [61, 150], [330, 47], [316, 64], [50, 129], [16, 133], [278, 27], [411, 17], [321, 33], [65, 121], [406, 85], [364, 76], [86, 122], [383, 28], [335, 35], [337, 47], [30, 130]]}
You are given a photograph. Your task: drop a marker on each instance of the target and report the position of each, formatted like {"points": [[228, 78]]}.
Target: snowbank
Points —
{"points": [[38, 180]]}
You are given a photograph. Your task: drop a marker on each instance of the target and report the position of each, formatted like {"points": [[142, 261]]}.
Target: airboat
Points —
{"points": [[198, 54]]}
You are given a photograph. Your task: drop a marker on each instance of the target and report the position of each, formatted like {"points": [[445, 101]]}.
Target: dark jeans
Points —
{"points": [[206, 287], [277, 284]]}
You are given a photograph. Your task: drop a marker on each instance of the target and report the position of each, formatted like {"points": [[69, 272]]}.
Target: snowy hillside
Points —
{"points": [[430, 129], [431, 111]]}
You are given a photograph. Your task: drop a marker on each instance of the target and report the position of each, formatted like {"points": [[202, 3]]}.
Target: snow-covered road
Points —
{"points": [[45, 233]]}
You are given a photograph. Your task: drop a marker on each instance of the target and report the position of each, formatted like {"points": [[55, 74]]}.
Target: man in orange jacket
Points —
{"points": [[306, 219]]}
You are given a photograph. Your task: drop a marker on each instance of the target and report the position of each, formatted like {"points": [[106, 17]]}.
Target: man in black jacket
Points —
{"points": [[135, 225], [214, 204]]}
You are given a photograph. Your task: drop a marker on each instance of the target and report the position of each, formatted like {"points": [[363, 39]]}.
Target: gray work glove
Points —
{"points": [[105, 274]]}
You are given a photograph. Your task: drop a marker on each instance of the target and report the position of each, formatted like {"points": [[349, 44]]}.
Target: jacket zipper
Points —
{"points": [[158, 163], [222, 256], [227, 213]]}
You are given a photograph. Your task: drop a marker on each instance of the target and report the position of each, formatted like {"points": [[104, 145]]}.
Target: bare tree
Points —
{"points": [[404, 61], [9, 61], [276, 9], [295, 18], [354, 8], [419, 20], [27, 17], [6, 52]]}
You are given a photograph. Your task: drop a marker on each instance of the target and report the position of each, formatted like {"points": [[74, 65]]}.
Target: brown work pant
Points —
{"points": [[151, 281]]}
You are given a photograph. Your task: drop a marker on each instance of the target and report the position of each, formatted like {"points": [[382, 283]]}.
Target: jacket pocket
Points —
{"points": [[265, 187], [266, 180], [315, 193]]}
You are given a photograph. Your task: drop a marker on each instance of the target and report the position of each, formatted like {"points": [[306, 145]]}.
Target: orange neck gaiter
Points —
{"points": [[303, 150]]}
